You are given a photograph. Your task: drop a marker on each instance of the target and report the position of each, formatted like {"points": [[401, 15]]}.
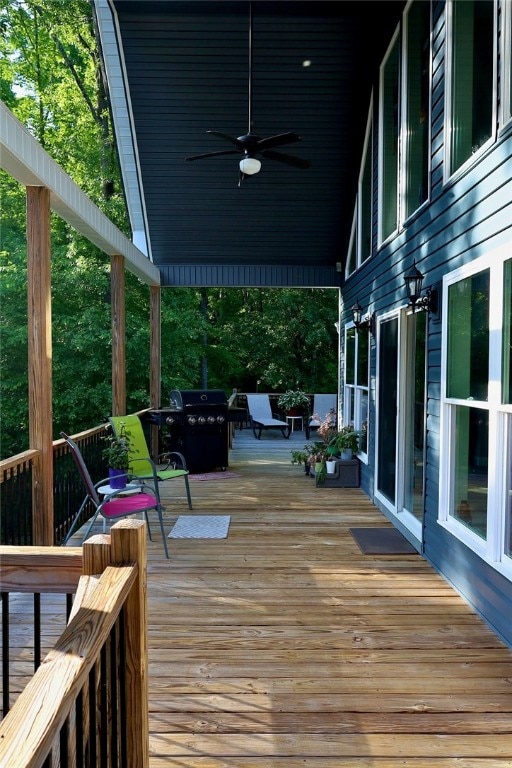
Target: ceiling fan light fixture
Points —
{"points": [[250, 165]]}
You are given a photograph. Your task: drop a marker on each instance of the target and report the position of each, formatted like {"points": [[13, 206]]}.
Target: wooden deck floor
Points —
{"points": [[282, 645]]}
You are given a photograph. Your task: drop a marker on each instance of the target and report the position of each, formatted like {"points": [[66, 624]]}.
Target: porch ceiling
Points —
{"points": [[187, 72]]}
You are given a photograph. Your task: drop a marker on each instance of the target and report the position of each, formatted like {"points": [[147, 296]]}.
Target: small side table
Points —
{"points": [[293, 419]]}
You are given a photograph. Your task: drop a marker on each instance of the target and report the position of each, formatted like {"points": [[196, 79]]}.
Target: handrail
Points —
{"points": [[31, 727], [50, 717], [16, 461], [41, 569]]}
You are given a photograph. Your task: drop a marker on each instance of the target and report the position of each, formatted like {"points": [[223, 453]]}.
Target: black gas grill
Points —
{"points": [[196, 425]]}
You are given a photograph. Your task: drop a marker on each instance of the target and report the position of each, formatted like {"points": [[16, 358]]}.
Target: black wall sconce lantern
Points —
{"points": [[413, 281], [360, 324]]}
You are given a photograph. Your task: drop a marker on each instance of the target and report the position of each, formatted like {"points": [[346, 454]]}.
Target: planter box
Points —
{"points": [[346, 475]]}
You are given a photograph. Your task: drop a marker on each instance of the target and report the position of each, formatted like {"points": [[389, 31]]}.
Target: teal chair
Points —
{"points": [[142, 465]]}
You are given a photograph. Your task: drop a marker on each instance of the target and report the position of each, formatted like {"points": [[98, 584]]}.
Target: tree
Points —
{"points": [[51, 78]]}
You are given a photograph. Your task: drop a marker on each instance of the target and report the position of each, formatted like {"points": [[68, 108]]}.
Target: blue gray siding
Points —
{"points": [[463, 220]]}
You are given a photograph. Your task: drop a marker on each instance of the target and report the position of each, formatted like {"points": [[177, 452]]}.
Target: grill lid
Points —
{"points": [[186, 398]]}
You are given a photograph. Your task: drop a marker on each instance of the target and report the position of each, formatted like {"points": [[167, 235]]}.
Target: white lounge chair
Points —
{"points": [[323, 406], [261, 416]]}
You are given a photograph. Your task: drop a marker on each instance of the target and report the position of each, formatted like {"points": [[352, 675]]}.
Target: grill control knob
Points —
{"points": [[191, 419], [211, 419], [201, 420], [170, 420], [220, 419]]}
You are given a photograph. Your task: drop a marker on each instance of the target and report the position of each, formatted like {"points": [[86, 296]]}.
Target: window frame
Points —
{"points": [[403, 159], [505, 114], [367, 156], [357, 390], [352, 245], [395, 40], [448, 173], [492, 548]]}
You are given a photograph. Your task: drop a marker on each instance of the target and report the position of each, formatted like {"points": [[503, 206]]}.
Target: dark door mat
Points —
{"points": [[382, 541]]}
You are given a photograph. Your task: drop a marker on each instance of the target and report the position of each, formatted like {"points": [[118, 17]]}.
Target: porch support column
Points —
{"points": [[117, 289], [40, 361], [155, 367]]}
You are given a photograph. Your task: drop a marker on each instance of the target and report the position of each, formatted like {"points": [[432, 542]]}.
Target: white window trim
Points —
{"points": [[353, 234], [381, 239], [500, 418], [393, 314], [449, 176], [505, 115], [367, 148], [363, 456], [403, 122]]}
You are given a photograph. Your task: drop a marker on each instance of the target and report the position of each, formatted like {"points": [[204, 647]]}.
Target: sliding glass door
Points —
{"points": [[401, 404]]}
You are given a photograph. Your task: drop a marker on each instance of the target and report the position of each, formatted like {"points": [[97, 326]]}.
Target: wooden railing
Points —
{"points": [[16, 488], [87, 703]]}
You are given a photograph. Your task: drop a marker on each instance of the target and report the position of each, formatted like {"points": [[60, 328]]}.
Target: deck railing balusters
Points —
{"points": [[5, 653], [98, 716]]}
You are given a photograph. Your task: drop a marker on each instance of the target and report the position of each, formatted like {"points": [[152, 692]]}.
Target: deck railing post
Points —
{"points": [[129, 546], [155, 394], [117, 295], [40, 361]]}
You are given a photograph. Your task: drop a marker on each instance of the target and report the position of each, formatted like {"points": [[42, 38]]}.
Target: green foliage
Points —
{"points": [[293, 399], [345, 439], [266, 339], [116, 452]]}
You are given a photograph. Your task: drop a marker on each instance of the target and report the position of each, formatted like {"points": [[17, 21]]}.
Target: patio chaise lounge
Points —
{"points": [[261, 416]]}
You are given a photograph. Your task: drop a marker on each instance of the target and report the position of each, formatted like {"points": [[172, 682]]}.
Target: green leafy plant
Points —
{"points": [[347, 438], [117, 450], [300, 457], [293, 399]]}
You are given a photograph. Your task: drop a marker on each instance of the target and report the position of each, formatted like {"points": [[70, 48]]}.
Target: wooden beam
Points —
{"points": [[40, 569], [155, 367], [40, 361], [156, 343], [24, 159], [117, 289]]}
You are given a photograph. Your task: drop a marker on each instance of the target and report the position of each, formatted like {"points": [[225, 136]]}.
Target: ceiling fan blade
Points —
{"points": [[227, 137], [214, 154], [278, 140], [298, 162]]}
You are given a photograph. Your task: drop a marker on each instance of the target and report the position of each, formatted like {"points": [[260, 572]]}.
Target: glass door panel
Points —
{"points": [[388, 406], [414, 421]]}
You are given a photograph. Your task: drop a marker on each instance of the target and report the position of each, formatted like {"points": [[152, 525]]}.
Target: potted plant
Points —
{"points": [[344, 442], [330, 465], [116, 453], [294, 402], [301, 457]]}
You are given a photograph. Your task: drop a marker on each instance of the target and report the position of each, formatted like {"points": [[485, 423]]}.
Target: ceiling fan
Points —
{"points": [[250, 145]]}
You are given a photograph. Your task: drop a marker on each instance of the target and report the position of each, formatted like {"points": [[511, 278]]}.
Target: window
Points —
{"points": [[355, 402], [352, 250], [416, 118], [365, 204], [506, 68], [507, 336], [404, 149], [389, 135], [471, 80], [360, 247], [476, 473], [468, 338]]}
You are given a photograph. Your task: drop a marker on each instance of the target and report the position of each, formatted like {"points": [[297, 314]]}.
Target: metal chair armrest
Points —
{"points": [[166, 457]]}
